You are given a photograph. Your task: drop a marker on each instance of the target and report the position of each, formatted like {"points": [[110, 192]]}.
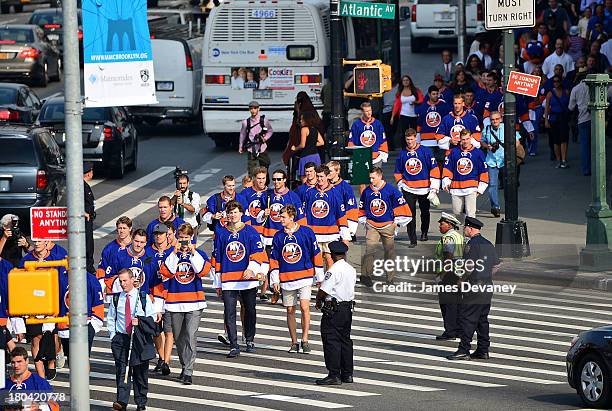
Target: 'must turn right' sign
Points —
{"points": [[509, 14]]}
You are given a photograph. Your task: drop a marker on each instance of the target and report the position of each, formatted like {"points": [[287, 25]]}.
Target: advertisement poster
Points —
{"points": [[118, 68], [262, 78]]}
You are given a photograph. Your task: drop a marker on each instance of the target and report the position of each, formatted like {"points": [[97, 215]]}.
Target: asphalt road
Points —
{"points": [[399, 364]]}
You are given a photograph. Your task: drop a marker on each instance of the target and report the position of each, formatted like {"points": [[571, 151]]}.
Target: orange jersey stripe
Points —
{"points": [[185, 297], [296, 275], [464, 184]]}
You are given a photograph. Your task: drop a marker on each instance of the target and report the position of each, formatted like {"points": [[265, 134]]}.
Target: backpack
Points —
{"points": [[218, 204], [248, 142]]}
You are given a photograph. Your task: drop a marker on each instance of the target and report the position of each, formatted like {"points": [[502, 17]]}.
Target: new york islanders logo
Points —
{"points": [[378, 207], [433, 119], [320, 209], [254, 208], [413, 166], [367, 138], [500, 107], [455, 131], [292, 253], [464, 166], [235, 251], [184, 272], [67, 298], [275, 212], [139, 276]]}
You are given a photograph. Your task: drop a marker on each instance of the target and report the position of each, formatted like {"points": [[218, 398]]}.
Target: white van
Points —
{"points": [[177, 63], [266, 51]]}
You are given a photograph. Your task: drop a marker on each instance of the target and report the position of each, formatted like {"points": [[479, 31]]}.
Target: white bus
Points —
{"points": [[269, 50]]}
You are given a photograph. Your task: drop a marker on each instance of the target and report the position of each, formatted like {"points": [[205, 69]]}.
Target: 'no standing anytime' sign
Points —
{"points": [[509, 14]]}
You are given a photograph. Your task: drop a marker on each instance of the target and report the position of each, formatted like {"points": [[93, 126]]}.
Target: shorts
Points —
{"points": [[33, 330], [290, 296], [166, 322], [324, 247]]}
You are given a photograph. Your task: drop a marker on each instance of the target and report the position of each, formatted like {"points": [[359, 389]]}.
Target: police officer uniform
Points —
{"points": [[89, 209], [451, 243], [336, 299], [476, 304]]}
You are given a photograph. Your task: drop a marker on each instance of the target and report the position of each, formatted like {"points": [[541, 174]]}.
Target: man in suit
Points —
{"points": [[90, 215], [125, 313], [447, 68]]}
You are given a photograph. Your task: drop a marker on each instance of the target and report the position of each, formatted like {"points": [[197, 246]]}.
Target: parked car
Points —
{"points": [[32, 171], [52, 21], [18, 104], [436, 20], [26, 54], [589, 366], [5, 5], [109, 136], [177, 62]]}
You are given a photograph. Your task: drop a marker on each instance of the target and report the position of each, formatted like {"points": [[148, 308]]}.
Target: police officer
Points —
{"points": [[476, 304], [336, 299], [90, 215], [448, 249]]}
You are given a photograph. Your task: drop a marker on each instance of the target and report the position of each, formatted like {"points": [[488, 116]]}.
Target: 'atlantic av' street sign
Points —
{"points": [[509, 14], [368, 10]]}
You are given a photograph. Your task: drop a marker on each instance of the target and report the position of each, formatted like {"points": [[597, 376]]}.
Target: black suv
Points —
{"points": [[109, 136], [32, 171]]}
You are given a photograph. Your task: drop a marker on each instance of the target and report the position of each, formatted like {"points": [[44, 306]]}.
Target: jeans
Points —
{"points": [[248, 299], [584, 131], [494, 174], [532, 145]]}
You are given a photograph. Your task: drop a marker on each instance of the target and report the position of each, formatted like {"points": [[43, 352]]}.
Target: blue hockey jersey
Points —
{"points": [[277, 201], [416, 171], [176, 222], [183, 274], [452, 125], [95, 305], [350, 203], [5, 267], [326, 215], [211, 207], [301, 190], [256, 201], [108, 255], [370, 134], [465, 172], [429, 119], [144, 267], [381, 207]]}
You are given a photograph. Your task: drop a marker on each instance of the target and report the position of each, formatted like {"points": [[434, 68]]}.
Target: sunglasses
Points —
{"points": [[278, 179]]}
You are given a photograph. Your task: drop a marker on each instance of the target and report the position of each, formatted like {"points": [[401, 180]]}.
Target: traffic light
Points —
{"points": [[371, 78]]}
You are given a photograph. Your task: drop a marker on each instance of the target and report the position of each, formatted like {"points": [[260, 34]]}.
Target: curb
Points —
{"points": [[573, 279]]}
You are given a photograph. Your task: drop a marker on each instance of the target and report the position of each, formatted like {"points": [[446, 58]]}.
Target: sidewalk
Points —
{"points": [[552, 202]]}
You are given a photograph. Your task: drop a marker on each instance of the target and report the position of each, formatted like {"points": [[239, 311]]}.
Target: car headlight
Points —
{"points": [[574, 341]]}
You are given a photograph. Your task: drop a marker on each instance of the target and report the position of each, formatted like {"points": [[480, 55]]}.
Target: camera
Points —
{"points": [[494, 147], [184, 243], [15, 231], [178, 173]]}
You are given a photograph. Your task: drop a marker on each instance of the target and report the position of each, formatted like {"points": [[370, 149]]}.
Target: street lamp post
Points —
{"points": [[597, 254]]}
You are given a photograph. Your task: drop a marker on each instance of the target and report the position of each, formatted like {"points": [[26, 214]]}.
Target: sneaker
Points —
{"points": [[158, 367], [50, 374], [165, 369], [295, 348], [250, 346], [496, 212], [181, 375], [234, 352], [306, 347], [223, 339], [187, 380], [532, 154], [263, 297], [60, 360], [558, 165], [563, 164]]}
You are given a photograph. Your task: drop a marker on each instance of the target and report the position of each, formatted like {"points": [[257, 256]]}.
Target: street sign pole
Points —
{"points": [[511, 237], [337, 82], [461, 30], [79, 358]]}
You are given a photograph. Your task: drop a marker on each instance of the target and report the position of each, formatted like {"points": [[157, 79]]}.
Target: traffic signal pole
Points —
{"points": [[337, 82], [511, 237], [79, 358]]}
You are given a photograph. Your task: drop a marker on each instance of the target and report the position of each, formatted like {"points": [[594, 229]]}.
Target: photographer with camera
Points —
{"points": [[186, 202], [13, 244], [493, 141], [254, 135]]}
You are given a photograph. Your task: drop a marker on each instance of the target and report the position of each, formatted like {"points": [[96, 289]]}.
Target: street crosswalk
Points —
{"points": [[395, 352]]}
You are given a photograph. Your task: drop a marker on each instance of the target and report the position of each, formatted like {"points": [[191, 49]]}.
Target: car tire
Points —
{"points": [[43, 80], [152, 121], [58, 74], [593, 381], [5, 8], [134, 163], [197, 119], [418, 45], [221, 140], [119, 170], [18, 8]]}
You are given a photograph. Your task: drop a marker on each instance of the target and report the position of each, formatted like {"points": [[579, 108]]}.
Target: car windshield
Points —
{"points": [[16, 35], [55, 113], [8, 95], [17, 151], [41, 19]]}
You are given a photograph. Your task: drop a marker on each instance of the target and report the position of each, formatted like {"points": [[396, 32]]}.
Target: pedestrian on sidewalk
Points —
{"points": [[493, 141], [556, 120], [336, 300], [382, 210], [417, 174], [307, 148], [579, 99], [407, 98], [295, 262], [132, 348], [90, 216], [240, 261], [465, 175], [255, 133], [474, 313]]}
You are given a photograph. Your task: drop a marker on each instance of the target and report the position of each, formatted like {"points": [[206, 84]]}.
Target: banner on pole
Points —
{"points": [[118, 62]]}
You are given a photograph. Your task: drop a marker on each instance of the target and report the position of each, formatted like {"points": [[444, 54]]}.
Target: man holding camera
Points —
{"points": [[254, 135], [493, 141], [13, 245], [186, 202]]}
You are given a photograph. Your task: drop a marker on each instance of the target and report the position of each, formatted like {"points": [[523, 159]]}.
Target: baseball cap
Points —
{"points": [[160, 228], [573, 31], [254, 103]]}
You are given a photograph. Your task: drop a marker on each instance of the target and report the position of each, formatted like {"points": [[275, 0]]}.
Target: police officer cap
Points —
{"points": [[253, 104], [449, 218], [160, 228], [473, 222], [338, 247], [87, 167]]}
